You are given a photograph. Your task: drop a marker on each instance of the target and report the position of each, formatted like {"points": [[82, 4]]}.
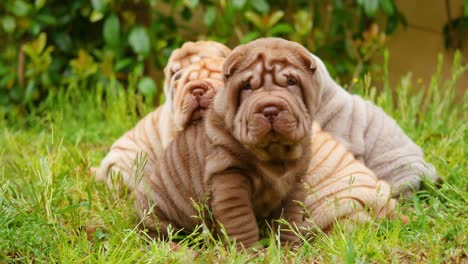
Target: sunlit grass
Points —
{"points": [[52, 210]]}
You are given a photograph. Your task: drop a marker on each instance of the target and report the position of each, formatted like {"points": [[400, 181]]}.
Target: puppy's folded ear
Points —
{"points": [[306, 58], [231, 64]]}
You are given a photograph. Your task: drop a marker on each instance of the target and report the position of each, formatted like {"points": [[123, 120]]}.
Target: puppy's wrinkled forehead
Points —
{"points": [[270, 53], [192, 52], [205, 68]]}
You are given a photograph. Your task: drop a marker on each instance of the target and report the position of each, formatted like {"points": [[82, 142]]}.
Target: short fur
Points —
{"points": [[157, 129], [244, 163], [188, 54], [339, 186], [342, 188], [371, 135]]}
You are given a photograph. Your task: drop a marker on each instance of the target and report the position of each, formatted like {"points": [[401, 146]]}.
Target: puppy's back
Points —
{"points": [[341, 187], [166, 195], [147, 139]]}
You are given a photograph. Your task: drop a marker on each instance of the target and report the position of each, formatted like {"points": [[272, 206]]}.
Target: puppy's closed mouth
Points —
{"points": [[274, 138], [198, 113]]}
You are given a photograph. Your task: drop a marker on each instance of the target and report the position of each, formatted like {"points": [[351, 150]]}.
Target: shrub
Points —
{"points": [[51, 44]]}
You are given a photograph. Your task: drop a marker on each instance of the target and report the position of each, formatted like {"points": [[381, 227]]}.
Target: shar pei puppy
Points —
{"points": [[340, 187], [189, 92], [371, 135], [247, 159], [188, 54]]}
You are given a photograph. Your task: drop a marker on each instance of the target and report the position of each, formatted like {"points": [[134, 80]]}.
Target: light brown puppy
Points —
{"points": [[341, 188], [188, 54], [191, 90], [246, 160], [371, 135]]}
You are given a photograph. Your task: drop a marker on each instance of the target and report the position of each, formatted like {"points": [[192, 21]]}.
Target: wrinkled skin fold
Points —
{"points": [[247, 159], [371, 135], [192, 77]]}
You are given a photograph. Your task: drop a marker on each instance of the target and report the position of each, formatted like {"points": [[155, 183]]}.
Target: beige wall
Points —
{"points": [[415, 48]]}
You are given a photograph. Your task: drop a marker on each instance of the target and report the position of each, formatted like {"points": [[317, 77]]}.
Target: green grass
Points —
{"points": [[52, 210]]}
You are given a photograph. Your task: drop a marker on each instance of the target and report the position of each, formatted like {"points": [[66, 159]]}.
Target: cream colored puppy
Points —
{"points": [[342, 188], [188, 88], [371, 135]]}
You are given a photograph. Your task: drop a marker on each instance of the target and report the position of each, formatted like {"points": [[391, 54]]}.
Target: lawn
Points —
{"points": [[52, 210]]}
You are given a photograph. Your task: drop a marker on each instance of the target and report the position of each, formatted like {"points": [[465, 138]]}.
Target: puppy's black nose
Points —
{"points": [[270, 112]]}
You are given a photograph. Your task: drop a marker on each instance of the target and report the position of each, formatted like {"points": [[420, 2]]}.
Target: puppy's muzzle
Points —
{"points": [[198, 89], [271, 112]]}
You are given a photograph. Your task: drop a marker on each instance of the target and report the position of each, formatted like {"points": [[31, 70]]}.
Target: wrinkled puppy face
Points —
{"points": [[192, 89], [268, 97], [190, 53]]}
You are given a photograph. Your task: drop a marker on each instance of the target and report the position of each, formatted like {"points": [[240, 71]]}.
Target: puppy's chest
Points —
{"points": [[270, 187]]}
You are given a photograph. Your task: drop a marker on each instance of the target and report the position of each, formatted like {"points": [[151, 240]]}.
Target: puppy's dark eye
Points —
{"points": [[291, 81], [246, 86], [177, 76]]}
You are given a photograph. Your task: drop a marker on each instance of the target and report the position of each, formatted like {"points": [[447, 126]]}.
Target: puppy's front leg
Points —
{"points": [[232, 207], [293, 213]]}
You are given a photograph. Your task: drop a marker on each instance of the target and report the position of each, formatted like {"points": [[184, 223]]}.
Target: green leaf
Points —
{"points": [[302, 22], [275, 17], [63, 41], [261, 6], [370, 7], [392, 24], [465, 8], [255, 19], [387, 7], [238, 4], [36, 47], [111, 31], [95, 16], [8, 24], [147, 87], [19, 8], [280, 29], [6, 79], [35, 28], [139, 41], [191, 3], [186, 13], [39, 4], [123, 63], [210, 15], [28, 95], [249, 37], [47, 19], [99, 5]]}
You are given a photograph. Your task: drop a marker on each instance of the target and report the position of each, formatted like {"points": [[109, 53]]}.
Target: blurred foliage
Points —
{"points": [[48, 45], [456, 29]]}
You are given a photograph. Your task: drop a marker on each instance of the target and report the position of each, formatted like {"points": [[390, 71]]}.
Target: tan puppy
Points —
{"points": [[342, 188], [188, 54], [371, 135], [192, 90], [247, 159]]}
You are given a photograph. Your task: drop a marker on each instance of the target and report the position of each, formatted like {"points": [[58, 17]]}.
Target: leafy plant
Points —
{"points": [[100, 41]]}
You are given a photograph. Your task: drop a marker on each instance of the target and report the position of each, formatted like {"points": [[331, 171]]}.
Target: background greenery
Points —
{"points": [[49, 45]]}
